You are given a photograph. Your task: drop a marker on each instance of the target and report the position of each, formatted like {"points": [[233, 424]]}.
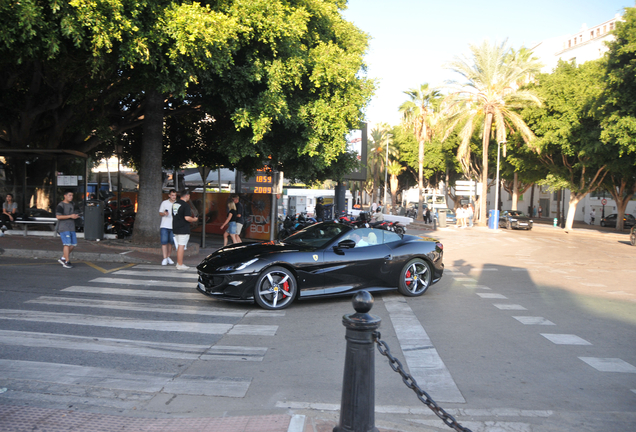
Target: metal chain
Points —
{"points": [[410, 382]]}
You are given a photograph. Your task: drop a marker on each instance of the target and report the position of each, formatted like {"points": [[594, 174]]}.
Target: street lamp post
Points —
{"points": [[386, 171], [496, 214]]}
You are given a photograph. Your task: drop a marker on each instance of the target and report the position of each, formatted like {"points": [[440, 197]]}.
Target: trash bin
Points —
{"points": [[441, 216], [493, 219], [94, 220]]}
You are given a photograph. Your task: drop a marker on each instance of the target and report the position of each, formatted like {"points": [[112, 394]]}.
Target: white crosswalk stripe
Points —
{"points": [[136, 323], [423, 360], [145, 282], [153, 299]]}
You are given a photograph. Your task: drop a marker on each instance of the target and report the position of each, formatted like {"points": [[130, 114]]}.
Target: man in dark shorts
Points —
{"points": [[181, 219], [240, 218], [66, 215]]}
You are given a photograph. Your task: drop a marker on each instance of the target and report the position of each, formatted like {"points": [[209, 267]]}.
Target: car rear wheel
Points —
{"points": [[275, 288], [415, 278], [602, 223]]}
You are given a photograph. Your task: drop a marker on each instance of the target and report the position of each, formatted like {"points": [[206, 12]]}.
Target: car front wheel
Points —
{"points": [[275, 288], [415, 278], [508, 225], [602, 223]]}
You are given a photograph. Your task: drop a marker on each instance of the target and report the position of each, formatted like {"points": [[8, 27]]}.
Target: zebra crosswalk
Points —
{"points": [[145, 313]]}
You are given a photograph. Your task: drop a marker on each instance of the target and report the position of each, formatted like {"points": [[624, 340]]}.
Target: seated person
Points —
{"points": [[378, 215], [372, 239], [9, 212]]}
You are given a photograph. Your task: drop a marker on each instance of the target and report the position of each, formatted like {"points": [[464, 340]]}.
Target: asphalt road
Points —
{"points": [[527, 331]]}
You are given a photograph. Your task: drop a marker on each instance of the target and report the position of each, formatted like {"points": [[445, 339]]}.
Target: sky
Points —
{"points": [[412, 40]]}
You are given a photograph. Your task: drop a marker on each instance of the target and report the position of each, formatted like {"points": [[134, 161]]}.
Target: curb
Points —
{"points": [[77, 256]]}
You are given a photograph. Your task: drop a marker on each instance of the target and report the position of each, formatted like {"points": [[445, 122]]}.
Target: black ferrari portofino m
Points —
{"points": [[324, 259]]}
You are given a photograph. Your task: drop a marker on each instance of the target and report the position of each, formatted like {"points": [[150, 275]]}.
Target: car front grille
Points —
{"points": [[211, 282]]}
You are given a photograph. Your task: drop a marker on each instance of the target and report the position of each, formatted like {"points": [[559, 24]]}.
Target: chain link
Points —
{"points": [[410, 382]]}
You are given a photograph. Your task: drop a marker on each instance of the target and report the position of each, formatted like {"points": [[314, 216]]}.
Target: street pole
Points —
{"points": [[386, 170], [496, 215]]}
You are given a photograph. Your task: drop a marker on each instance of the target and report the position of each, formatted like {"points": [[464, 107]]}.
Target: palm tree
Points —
{"points": [[395, 169], [421, 114], [492, 90], [376, 154]]}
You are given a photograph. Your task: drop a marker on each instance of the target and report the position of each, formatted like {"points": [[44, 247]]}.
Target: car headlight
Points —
{"points": [[239, 266]]}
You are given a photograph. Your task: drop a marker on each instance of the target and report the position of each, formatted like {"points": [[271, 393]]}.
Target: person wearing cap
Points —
{"points": [[181, 219]]}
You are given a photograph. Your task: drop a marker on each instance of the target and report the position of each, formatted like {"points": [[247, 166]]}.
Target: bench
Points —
{"points": [[52, 222]]}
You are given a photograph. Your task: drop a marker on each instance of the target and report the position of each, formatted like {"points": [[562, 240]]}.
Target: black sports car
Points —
{"points": [[324, 259], [514, 219]]}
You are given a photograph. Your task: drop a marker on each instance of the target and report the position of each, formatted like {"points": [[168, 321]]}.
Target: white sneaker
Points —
{"points": [[165, 261], [182, 267], [169, 261]]}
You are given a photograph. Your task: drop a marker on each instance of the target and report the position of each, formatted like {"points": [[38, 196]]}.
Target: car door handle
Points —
{"points": [[388, 257]]}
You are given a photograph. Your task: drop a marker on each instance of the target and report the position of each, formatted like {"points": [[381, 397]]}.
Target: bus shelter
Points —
{"points": [[37, 178]]}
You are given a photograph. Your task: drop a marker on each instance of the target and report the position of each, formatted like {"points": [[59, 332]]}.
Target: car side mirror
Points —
{"points": [[345, 244]]}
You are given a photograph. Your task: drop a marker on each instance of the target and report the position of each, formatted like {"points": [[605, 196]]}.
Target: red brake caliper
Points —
{"points": [[286, 288], [408, 275]]}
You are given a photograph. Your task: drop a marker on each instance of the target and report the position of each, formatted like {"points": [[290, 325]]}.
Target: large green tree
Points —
{"points": [[490, 95], [379, 144], [421, 113], [618, 112], [568, 131], [276, 81]]}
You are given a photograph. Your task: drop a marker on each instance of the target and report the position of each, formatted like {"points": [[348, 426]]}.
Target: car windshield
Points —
{"points": [[318, 235], [515, 213]]}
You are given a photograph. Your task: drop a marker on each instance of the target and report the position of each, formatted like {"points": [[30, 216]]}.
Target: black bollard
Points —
{"points": [[357, 407]]}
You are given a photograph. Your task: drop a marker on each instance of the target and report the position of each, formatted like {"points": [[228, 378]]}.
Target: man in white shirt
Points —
{"points": [[165, 210]]}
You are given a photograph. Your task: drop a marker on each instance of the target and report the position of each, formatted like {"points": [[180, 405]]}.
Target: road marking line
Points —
{"points": [[477, 286], [137, 324], [132, 347], [144, 282], [509, 307], [155, 294], [155, 382], [157, 273], [465, 279], [609, 364], [422, 359], [423, 410], [529, 320], [565, 339], [491, 296], [103, 270], [198, 309], [593, 284], [160, 267]]}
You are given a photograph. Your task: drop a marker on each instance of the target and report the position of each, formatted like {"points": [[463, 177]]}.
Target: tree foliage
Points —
{"points": [[490, 95]]}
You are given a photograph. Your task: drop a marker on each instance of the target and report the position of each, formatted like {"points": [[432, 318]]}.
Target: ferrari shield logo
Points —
{"points": [[315, 257]]}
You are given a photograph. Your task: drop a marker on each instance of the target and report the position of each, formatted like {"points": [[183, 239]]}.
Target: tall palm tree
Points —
{"points": [[421, 114], [395, 169], [492, 91], [377, 152]]}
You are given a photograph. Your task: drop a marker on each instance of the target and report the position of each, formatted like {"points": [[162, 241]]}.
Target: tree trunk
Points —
{"points": [[483, 214], [574, 201], [515, 192], [622, 196], [420, 162], [146, 231]]}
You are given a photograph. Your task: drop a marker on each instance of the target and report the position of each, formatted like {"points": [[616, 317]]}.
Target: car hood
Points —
{"points": [[243, 252]]}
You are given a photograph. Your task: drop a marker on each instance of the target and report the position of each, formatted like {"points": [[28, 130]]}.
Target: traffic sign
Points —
{"points": [[603, 201]]}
